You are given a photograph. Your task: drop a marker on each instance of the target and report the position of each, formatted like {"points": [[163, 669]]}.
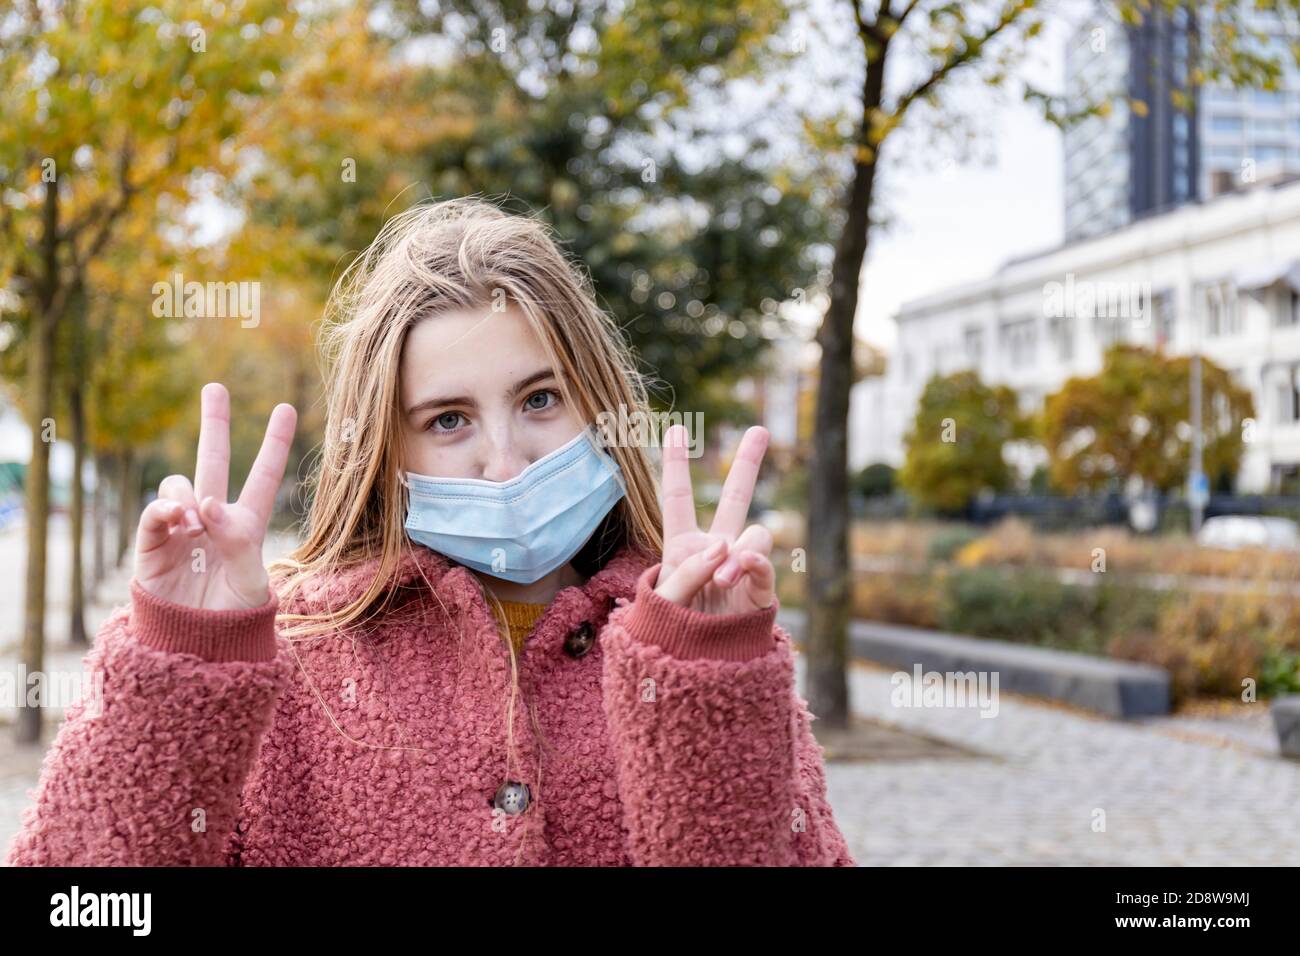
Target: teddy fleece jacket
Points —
{"points": [[676, 738]]}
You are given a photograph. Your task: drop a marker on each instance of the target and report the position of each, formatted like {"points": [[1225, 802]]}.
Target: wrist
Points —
{"points": [[693, 635], [219, 636]]}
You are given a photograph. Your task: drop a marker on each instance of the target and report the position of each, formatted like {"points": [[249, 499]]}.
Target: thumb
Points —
{"points": [[693, 573]]}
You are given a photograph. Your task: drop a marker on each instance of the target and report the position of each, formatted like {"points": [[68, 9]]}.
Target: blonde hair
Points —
{"points": [[464, 253]]}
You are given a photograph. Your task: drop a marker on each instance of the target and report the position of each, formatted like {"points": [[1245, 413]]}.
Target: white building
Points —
{"points": [[1223, 274]]}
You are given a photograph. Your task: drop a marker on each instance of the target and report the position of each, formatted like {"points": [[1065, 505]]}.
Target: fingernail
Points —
{"points": [[714, 549], [729, 572], [192, 521]]}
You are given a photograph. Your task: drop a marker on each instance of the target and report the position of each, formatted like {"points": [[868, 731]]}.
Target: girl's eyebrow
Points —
{"points": [[538, 376]]}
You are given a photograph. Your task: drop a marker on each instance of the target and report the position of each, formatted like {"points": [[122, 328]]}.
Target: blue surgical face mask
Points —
{"points": [[522, 529]]}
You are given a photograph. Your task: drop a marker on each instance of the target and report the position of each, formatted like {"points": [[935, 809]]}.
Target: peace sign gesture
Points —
{"points": [[194, 548], [725, 570]]}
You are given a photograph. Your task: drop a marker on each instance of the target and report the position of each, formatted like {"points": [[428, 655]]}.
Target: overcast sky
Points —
{"points": [[962, 223]]}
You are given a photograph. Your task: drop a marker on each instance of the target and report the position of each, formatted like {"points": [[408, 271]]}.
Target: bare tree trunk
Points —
{"points": [[100, 520], [125, 470], [77, 501], [129, 497], [830, 574], [40, 398], [77, 523]]}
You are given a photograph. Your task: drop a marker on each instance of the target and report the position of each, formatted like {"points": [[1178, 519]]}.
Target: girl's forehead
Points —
{"points": [[468, 334], [469, 353]]}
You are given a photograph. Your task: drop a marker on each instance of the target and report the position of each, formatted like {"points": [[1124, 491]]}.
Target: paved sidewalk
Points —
{"points": [[1173, 792]]}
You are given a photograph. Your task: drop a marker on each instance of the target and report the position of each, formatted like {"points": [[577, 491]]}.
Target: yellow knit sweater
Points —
{"points": [[518, 620]]}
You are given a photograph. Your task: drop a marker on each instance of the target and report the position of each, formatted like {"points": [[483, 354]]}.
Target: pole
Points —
{"points": [[1197, 490]]}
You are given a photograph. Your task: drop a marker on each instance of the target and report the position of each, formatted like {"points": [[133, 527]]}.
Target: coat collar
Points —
{"points": [[456, 584]]}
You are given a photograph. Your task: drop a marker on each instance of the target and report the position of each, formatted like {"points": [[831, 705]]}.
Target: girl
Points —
{"points": [[490, 648]]}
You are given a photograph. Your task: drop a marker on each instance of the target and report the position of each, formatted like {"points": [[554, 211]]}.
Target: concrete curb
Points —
{"points": [[1120, 689]]}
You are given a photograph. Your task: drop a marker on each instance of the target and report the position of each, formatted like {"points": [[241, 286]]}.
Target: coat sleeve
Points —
{"points": [[149, 765], [717, 764]]}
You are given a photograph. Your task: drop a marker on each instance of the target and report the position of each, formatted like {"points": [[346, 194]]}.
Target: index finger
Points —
{"points": [[679, 499], [212, 466], [258, 494], [738, 489]]}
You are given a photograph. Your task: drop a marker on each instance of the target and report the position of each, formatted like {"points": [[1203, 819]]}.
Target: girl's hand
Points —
{"points": [[194, 548], [737, 577]]}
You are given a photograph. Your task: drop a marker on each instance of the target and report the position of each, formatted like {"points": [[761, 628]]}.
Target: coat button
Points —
{"points": [[580, 640], [512, 797]]}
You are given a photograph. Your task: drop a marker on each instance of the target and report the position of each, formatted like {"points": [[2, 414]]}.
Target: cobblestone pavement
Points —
{"points": [[1171, 792]]}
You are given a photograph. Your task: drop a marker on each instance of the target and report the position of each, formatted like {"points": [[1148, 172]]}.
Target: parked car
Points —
{"points": [[1249, 531]]}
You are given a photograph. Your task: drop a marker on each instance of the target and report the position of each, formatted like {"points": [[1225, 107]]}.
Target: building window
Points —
{"points": [[1286, 479], [1020, 342], [1062, 333], [1290, 313], [1224, 154], [1219, 309], [1287, 399], [1108, 329], [974, 346], [1163, 318], [1227, 124]]}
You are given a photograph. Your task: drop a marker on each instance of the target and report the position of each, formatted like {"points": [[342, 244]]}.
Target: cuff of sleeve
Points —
{"points": [[219, 636], [693, 635]]}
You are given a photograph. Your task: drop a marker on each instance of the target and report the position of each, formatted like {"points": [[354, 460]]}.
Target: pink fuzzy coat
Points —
{"points": [[676, 738]]}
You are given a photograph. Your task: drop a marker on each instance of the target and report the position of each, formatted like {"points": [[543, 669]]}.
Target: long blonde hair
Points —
{"points": [[463, 253]]}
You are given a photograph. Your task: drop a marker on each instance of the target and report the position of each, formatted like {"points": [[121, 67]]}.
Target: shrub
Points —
{"points": [[897, 599], [1210, 643], [1029, 607], [949, 540], [874, 481], [904, 540]]}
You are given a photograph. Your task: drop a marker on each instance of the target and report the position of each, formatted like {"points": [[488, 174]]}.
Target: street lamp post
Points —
{"points": [[1198, 487]]}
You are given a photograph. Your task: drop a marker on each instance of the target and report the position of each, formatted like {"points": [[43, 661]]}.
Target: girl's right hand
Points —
{"points": [[194, 548]]}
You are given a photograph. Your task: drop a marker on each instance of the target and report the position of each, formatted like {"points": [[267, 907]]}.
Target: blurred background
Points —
{"points": [[1014, 286]]}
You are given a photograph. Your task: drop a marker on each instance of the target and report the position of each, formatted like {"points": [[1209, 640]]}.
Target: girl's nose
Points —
{"points": [[502, 460]]}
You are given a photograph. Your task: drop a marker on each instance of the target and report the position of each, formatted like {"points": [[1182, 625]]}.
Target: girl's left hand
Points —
{"points": [[725, 570]]}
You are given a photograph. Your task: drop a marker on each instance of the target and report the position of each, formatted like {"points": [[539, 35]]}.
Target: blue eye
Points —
{"points": [[445, 415], [529, 404], [546, 391]]}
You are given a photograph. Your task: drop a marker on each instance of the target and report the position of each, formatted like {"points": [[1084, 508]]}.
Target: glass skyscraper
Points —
{"points": [[1180, 144]]}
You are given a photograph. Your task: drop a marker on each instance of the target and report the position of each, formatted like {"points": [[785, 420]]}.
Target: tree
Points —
{"points": [[875, 480], [592, 114], [924, 48], [954, 447], [1132, 421], [105, 104]]}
